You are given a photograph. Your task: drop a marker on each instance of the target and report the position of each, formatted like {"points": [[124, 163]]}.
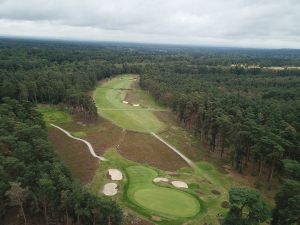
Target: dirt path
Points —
{"points": [[190, 162], [90, 147]]}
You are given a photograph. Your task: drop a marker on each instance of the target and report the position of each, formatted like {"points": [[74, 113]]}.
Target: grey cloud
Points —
{"points": [[181, 21]]}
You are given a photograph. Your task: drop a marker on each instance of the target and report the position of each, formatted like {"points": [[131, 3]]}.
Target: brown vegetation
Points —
{"points": [[74, 154], [143, 148]]}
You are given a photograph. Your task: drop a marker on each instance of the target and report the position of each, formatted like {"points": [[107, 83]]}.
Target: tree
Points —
{"points": [[292, 169], [66, 203], [287, 210], [225, 124], [247, 207], [45, 193], [17, 196]]}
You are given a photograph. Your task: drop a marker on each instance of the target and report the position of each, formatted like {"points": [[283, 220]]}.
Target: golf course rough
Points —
{"points": [[109, 99], [166, 202]]}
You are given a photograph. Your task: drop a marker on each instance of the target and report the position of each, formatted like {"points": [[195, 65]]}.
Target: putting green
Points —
{"points": [[109, 101], [166, 202]]}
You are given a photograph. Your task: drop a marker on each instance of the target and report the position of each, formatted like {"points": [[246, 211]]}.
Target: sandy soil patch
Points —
{"points": [[160, 179], [110, 189], [179, 184], [115, 174]]}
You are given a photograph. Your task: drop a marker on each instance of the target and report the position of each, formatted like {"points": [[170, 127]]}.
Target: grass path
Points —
{"points": [[90, 147]]}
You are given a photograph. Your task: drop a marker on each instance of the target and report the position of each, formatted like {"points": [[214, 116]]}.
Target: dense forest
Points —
{"points": [[255, 119], [35, 181], [231, 99]]}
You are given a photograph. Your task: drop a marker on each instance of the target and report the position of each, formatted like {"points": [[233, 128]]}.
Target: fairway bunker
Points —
{"points": [[110, 189], [179, 184], [115, 174], [160, 179]]}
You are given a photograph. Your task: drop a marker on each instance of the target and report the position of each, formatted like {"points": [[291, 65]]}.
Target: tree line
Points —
{"points": [[252, 119], [55, 74]]}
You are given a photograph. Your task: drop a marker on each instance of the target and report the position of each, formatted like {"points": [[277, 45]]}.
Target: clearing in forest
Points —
{"points": [[128, 133]]}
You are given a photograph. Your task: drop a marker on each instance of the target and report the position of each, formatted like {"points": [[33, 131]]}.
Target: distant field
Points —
{"points": [[109, 99]]}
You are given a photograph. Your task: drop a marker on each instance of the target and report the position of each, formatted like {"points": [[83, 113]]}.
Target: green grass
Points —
{"points": [[147, 100], [79, 134], [166, 202], [172, 205], [109, 97], [54, 115]]}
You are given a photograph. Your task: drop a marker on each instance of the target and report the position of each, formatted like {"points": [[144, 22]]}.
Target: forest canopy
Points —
{"points": [[244, 104]]}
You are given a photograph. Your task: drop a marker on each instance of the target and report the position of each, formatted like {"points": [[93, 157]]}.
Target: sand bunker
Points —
{"points": [[136, 104], [115, 174], [179, 184], [125, 102], [110, 189], [160, 179]]}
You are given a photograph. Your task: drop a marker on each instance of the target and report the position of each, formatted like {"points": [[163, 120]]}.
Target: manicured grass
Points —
{"points": [[138, 179], [109, 97], [54, 115], [162, 201]]}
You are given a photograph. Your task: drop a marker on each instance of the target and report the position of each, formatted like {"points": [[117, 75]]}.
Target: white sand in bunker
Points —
{"points": [[110, 189], [160, 179], [179, 184], [115, 174]]}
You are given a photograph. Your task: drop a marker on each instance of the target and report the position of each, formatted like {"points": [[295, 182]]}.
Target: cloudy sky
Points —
{"points": [[244, 23]]}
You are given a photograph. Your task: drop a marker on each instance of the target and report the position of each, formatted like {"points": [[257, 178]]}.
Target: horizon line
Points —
{"points": [[79, 40]]}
